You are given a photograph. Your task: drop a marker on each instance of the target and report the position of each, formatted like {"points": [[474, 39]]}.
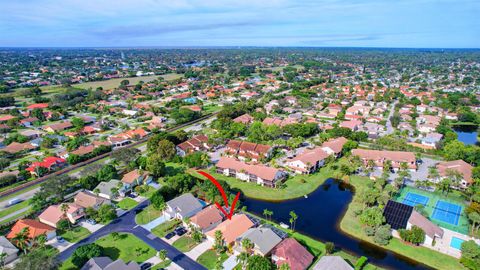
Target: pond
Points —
{"points": [[466, 133], [318, 217]]}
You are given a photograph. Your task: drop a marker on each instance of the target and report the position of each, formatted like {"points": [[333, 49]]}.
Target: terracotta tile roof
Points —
{"points": [[207, 217], [456, 165], [38, 106], [262, 171], [335, 144], [289, 251], [378, 156], [36, 228], [16, 147], [232, 228], [47, 162], [85, 199]]}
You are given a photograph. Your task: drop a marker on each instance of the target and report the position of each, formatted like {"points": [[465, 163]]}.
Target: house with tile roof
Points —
{"points": [[379, 158], [244, 150], [133, 179], [257, 173], [196, 143], [88, 199], [332, 263], [49, 163], [231, 228], [446, 169], [35, 229], [53, 214], [308, 161], [207, 219], [290, 252]]}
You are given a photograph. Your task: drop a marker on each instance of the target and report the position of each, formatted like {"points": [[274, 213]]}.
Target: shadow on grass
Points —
{"points": [[111, 252]]}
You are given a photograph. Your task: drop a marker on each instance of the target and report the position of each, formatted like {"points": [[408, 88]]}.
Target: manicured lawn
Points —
{"points": [[184, 243], [127, 203], [112, 83], [296, 186], [146, 215], [75, 234], [148, 191], [162, 265], [351, 226], [166, 227], [127, 247], [209, 258]]}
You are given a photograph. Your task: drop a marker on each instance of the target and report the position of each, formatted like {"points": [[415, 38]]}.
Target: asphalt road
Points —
{"points": [[126, 224]]}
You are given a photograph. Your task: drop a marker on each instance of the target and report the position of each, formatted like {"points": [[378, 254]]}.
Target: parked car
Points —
{"points": [[60, 239], [132, 195], [145, 266], [180, 231], [170, 235], [91, 221]]}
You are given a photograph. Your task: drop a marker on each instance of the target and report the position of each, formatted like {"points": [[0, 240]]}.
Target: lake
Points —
{"points": [[318, 217], [466, 133]]}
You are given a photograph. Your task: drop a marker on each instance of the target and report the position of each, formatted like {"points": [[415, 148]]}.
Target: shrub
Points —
{"points": [[84, 253]]}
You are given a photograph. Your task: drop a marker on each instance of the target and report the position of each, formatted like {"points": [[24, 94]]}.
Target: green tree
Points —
{"points": [[84, 253], [166, 150], [329, 247], [158, 201], [38, 259], [372, 217], [293, 219], [383, 234], [162, 254], [470, 255], [257, 262], [155, 165], [106, 213], [21, 239], [219, 243]]}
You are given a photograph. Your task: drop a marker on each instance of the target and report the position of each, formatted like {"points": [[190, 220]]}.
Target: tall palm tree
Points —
{"points": [[64, 208], [242, 259], [3, 257], [21, 239], [293, 219]]}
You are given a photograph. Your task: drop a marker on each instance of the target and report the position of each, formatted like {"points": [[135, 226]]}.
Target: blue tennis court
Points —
{"points": [[447, 212], [414, 199]]}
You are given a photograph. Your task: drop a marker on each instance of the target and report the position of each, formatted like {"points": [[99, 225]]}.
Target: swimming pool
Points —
{"points": [[456, 242]]}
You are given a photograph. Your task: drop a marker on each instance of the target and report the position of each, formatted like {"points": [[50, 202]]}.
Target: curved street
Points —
{"points": [[126, 223]]}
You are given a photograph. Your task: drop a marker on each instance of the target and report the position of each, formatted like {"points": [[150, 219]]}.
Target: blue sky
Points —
{"points": [[324, 23]]}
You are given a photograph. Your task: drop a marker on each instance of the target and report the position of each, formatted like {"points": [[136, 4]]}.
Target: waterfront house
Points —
{"points": [[332, 263], [231, 228], [290, 252], [183, 206], [309, 161], [263, 240]]}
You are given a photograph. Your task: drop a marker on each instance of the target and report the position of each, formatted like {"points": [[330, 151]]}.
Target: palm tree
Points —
{"points": [[242, 259], [247, 245], [3, 257], [21, 239], [64, 208], [162, 254], [293, 219], [267, 213], [40, 241]]}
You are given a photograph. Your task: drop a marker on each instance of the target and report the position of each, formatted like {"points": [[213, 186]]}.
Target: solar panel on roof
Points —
{"points": [[397, 214]]}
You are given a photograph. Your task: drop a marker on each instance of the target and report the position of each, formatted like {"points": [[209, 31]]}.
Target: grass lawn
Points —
{"points": [[351, 226], [127, 203], [209, 258], [112, 83], [147, 192], [166, 227], [127, 247], [296, 186], [14, 208], [146, 215], [161, 265], [75, 234], [184, 243]]}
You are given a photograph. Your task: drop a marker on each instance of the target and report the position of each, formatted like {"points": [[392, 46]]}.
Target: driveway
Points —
{"points": [[230, 263], [126, 224], [199, 249], [154, 223], [60, 246], [90, 227]]}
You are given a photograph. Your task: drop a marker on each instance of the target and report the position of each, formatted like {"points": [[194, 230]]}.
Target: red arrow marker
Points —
{"points": [[224, 196]]}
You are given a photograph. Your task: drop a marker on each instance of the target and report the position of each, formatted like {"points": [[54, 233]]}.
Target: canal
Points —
{"points": [[319, 216]]}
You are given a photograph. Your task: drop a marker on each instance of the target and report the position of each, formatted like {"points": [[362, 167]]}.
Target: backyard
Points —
{"points": [[296, 186]]}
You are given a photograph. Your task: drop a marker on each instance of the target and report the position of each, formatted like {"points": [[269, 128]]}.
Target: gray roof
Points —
{"points": [[332, 263], [7, 247], [105, 263], [263, 238], [105, 187], [185, 205]]}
